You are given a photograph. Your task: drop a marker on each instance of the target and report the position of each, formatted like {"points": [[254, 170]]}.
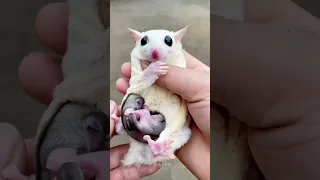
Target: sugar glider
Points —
{"points": [[158, 105]]}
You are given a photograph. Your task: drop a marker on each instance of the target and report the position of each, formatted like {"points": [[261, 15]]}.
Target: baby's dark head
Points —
{"points": [[158, 45]]}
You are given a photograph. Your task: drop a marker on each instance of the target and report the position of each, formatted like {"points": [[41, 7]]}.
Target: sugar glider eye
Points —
{"points": [[168, 40], [144, 41]]}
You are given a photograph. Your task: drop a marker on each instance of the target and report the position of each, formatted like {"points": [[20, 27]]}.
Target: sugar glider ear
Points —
{"points": [[135, 34], [178, 35]]}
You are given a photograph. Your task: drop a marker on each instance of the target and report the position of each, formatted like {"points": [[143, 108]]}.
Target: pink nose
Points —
{"points": [[155, 54]]}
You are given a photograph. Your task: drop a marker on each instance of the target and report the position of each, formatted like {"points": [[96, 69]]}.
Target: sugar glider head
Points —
{"points": [[158, 45]]}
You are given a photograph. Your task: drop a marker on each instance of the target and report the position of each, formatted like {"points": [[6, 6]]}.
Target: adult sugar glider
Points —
{"points": [[157, 105]]}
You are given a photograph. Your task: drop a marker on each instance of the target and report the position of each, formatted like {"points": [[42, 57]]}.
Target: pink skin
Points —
{"points": [[154, 70], [159, 148], [13, 153], [155, 54], [59, 157], [151, 74], [55, 160], [13, 173], [143, 115]]}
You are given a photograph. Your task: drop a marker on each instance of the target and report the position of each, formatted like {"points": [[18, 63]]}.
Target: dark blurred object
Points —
{"points": [[311, 6]]}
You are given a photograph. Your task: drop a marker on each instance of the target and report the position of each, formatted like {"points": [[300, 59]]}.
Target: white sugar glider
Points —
{"points": [[160, 48]]}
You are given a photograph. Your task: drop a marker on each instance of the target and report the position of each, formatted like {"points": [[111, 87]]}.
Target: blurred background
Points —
{"points": [[18, 39]]}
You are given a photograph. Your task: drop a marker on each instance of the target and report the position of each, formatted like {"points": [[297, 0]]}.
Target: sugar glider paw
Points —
{"points": [[128, 111], [159, 68], [118, 124], [160, 148], [155, 70], [114, 117]]}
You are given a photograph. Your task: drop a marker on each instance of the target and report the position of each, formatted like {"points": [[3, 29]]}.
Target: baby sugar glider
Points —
{"points": [[161, 48]]}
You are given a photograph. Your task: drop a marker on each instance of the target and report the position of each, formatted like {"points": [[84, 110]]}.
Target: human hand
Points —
{"points": [[51, 29], [40, 72], [193, 85], [267, 76], [95, 164]]}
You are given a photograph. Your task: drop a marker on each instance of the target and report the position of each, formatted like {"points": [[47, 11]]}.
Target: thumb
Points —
{"points": [[192, 85], [133, 172]]}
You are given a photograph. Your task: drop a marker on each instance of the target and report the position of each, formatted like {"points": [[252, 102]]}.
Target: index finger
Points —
{"points": [[52, 26], [194, 63], [133, 172], [116, 155], [191, 63], [30, 145]]}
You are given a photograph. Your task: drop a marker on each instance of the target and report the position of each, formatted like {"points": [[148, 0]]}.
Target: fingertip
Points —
{"points": [[116, 155], [39, 74], [133, 172], [30, 147], [112, 127], [113, 107], [185, 82], [170, 78], [122, 85], [51, 26], [126, 69], [194, 63], [149, 170]]}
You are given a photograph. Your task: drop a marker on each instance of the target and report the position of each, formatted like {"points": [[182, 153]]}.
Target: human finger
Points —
{"points": [[192, 85], [116, 155], [113, 110], [133, 172], [13, 150], [243, 72], [52, 26], [194, 63], [95, 164], [195, 155], [12, 172], [126, 70], [122, 85], [39, 74], [30, 145]]}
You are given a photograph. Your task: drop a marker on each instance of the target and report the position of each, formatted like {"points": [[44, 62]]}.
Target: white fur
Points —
{"points": [[140, 153], [156, 98]]}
